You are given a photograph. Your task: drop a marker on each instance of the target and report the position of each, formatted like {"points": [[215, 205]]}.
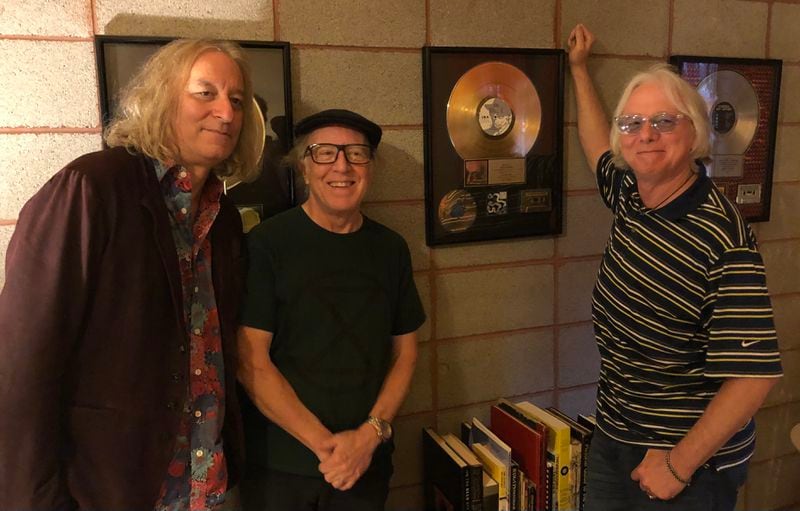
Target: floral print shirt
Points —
{"points": [[196, 478]]}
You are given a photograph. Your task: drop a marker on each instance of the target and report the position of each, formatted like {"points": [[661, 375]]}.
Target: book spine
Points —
{"points": [[564, 497], [466, 433], [513, 497], [490, 502], [466, 482], [476, 488], [575, 473], [584, 465], [533, 496]]}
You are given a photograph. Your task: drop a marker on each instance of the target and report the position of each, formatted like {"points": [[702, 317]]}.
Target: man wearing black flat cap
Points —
{"points": [[327, 342]]}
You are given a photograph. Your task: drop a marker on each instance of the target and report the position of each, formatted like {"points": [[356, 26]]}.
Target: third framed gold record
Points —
{"points": [[493, 112]]}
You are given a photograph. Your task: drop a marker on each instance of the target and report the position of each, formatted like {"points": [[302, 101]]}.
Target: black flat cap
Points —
{"points": [[339, 117]]}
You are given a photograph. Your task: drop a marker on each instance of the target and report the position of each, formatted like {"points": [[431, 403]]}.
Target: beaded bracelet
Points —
{"points": [[672, 471]]}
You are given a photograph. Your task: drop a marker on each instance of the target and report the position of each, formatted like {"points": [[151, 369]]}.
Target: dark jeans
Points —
{"points": [[609, 486], [270, 490]]}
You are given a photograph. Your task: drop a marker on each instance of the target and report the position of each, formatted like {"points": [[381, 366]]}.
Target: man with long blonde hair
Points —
{"points": [[119, 310]]}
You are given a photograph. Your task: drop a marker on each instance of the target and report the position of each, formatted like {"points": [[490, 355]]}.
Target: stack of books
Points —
{"points": [[526, 459]]}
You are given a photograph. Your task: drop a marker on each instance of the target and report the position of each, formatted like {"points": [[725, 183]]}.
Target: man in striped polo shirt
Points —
{"points": [[682, 316]]}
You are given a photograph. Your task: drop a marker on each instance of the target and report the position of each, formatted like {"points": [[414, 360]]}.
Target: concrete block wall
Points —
{"points": [[509, 318]]}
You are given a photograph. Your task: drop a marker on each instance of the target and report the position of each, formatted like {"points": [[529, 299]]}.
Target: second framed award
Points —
{"points": [[493, 143], [742, 97]]}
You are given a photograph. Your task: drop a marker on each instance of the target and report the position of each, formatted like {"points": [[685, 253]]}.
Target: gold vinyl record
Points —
{"points": [[493, 112], [261, 130], [259, 142], [733, 110], [795, 436]]}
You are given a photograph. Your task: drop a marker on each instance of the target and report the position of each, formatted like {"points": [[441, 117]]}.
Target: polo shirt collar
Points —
{"points": [[690, 199], [685, 203]]}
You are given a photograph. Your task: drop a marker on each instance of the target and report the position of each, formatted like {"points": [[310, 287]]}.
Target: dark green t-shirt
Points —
{"points": [[333, 303]]}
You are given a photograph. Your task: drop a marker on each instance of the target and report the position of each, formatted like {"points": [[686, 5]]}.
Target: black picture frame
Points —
{"points": [[742, 97], [469, 197], [119, 57]]}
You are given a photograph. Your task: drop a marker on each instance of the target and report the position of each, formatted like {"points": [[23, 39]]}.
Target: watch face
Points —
{"points": [[382, 427]]}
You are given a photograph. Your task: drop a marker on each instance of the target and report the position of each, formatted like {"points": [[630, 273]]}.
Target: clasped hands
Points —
{"points": [[345, 456]]}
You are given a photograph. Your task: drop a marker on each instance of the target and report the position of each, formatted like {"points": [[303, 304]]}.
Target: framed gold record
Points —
{"points": [[493, 143], [493, 112], [741, 98]]}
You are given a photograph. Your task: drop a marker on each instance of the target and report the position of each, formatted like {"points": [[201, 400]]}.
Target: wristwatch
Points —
{"points": [[382, 428]]}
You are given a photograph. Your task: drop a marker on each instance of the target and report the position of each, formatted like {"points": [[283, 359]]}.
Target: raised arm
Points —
{"points": [[274, 396], [593, 127]]}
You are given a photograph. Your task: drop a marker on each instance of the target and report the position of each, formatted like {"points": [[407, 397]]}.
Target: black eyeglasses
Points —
{"points": [[357, 154], [662, 122]]}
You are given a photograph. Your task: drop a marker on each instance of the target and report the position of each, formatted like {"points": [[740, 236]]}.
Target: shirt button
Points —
{"points": [[198, 372], [196, 289], [199, 453], [196, 331], [198, 413], [183, 210], [176, 376], [182, 348], [182, 174]]}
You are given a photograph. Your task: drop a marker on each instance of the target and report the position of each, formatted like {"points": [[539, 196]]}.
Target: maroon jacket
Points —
{"points": [[93, 348]]}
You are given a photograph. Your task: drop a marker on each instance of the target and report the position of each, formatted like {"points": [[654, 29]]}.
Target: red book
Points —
{"points": [[527, 448]]}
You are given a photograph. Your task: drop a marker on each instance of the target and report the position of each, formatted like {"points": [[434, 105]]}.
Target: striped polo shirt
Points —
{"points": [[680, 304]]}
